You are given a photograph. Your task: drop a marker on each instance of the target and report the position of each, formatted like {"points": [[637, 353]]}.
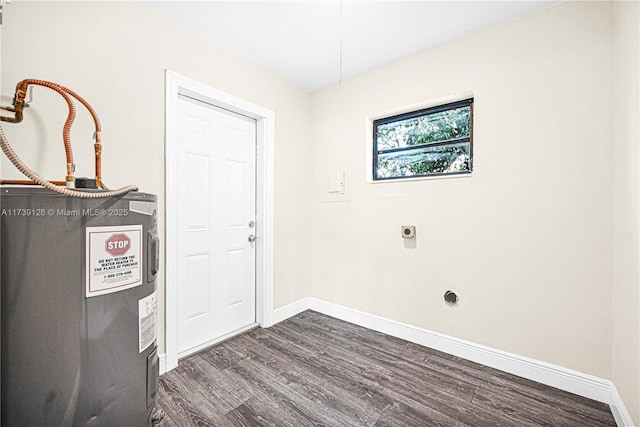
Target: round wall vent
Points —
{"points": [[450, 298]]}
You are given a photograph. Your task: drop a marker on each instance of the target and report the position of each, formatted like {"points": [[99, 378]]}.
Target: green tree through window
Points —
{"points": [[435, 141]]}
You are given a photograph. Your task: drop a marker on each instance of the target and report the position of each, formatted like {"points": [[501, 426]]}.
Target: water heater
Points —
{"points": [[78, 309], [78, 294]]}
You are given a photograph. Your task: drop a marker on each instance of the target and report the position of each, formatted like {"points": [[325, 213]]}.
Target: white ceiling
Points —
{"points": [[301, 40]]}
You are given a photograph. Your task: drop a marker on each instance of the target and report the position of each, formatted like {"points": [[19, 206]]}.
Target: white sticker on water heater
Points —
{"points": [[114, 259], [147, 314]]}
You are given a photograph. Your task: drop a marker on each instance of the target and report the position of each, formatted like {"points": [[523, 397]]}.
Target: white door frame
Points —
{"points": [[175, 85]]}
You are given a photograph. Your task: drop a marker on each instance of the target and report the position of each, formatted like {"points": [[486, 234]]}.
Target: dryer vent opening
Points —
{"points": [[450, 298]]}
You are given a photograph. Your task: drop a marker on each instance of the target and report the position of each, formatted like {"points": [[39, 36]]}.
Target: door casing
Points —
{"points": [[176, 84]]}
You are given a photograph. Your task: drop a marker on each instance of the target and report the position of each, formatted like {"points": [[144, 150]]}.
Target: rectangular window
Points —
{"points": [[430, 142]]}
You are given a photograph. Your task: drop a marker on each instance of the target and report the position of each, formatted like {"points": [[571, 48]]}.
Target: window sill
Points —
{"points": [[419, 178]]}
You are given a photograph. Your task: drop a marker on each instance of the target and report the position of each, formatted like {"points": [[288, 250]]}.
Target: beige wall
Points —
{"points": [[543, 257], [114, 54], [526, 240], [626, 274]]}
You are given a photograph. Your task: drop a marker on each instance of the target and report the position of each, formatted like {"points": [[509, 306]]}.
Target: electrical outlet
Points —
{"points": [[408, 231]]}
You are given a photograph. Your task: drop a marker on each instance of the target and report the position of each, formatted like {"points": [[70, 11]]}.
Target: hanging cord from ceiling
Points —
{"points": [[3, 3], [341, 36]]}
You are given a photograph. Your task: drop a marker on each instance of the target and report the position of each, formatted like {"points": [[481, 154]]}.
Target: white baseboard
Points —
{"points": [[619, 411], [290, 310], [545, 373], [162, 363]]}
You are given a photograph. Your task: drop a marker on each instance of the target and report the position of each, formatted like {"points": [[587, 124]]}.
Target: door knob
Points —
{"points": [[252, 238]]}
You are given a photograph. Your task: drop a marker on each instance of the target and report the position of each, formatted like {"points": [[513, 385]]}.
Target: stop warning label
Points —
{"points": [[114, 258], [117, 244]]}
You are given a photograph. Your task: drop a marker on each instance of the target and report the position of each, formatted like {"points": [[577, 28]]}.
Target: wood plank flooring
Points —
{"points": [[313, 370]]}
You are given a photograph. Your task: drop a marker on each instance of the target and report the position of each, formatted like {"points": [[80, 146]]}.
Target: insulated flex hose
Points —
{"points": [[8, 151]]}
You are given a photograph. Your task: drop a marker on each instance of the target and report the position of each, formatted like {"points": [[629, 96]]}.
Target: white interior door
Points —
{"points": [[216, 167]]}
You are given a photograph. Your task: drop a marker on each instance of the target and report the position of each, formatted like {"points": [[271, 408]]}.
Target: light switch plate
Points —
{"points": [[336, 182]]}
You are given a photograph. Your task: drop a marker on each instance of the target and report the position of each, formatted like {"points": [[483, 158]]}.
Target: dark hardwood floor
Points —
{"points": [[313, 370]]}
